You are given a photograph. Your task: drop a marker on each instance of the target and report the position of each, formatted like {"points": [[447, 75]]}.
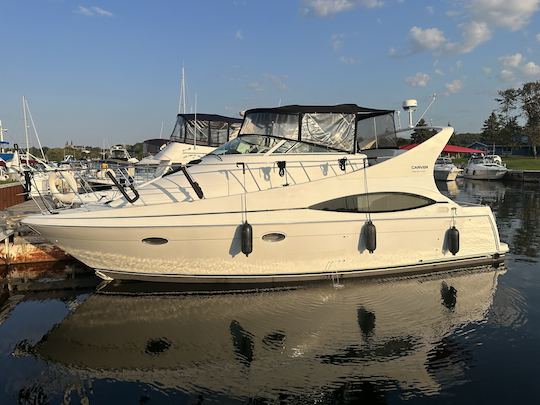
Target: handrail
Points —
{"points": [[122, 188], [194, 184]]}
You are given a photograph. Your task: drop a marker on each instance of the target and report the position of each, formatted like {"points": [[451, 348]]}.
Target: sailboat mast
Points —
{"points": [[195, 132], [182, 98], [2, 137], [35, 130], [26, 131]]}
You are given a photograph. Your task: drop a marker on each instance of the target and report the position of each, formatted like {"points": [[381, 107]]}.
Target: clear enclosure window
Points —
{"points": [[280, 125], [334, 130], [376, 132], [247, 144]]}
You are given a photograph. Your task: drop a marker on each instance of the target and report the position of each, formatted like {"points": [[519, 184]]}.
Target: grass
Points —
{"points": [[522, 163]]}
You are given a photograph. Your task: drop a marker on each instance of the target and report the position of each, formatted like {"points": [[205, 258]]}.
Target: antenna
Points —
{"points": [[433, 97], [410, 106]]}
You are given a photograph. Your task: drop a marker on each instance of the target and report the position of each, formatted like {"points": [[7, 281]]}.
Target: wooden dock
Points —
{"points": [[19, 244], [527, 176]]}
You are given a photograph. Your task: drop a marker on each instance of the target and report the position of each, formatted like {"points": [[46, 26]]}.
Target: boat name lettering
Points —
{"points": [[419, 167]]}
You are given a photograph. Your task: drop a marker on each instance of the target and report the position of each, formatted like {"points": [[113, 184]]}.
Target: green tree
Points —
{"points": [[421, 134], [491, 130], [508, 103], [529, 96], [511, 132]]}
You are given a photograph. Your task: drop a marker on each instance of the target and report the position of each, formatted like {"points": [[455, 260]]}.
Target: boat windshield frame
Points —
{"points": [[268, 144], [342, 128], [204, 129]]}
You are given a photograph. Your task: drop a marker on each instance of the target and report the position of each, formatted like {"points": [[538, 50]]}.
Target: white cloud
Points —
{"points": [[256, 86], [511, 14], [418, 80], [480, 18], [239, 36], [506, 75], [93, 11], [487, 70], [426, 39], [538, 37], [328, 7], [454, 86], [337, 41], [531, 69], [277, 81], [347, 60], [474, 33], [439, 72], [84, 11], [512, 61], [102, 12]]}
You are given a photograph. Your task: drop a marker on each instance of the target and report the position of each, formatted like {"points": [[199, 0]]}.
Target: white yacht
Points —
{"points": [[193, 136], [445, 169], [485, 168], [303, 192]]}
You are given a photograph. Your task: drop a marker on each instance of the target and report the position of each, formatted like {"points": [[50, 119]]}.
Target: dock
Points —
{"points": [[527, 176], [21, 245]]}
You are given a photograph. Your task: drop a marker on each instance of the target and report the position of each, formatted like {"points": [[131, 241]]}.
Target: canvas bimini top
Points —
{"points": [[343, 127], [204, 129]]}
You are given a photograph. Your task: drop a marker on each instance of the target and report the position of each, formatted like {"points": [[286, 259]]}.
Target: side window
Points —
{"points": [[374, 202]]}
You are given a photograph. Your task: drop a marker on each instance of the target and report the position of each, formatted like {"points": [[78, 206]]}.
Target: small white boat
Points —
{"points": [[485, 168], [445, 169], [303, 192], [193, 136]]}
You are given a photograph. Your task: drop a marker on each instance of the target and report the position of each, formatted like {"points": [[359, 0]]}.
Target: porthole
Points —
{"points": [[155, 241], [273, 237]]}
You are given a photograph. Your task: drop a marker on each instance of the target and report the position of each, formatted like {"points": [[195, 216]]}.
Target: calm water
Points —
{"points": [[467, 336]]}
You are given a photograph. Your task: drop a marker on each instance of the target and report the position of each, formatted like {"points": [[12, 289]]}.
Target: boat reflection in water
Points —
{"points": [[314, 342]]}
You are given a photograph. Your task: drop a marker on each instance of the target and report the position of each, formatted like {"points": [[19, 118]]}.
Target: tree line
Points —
{"points": [[59, 154], [517, 116]]}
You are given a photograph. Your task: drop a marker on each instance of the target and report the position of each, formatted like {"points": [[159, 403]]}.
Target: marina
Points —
{"points": [[297, 202], [430, 338]]}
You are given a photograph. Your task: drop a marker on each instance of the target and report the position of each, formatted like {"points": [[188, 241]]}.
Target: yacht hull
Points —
{"points": [[484, 174], [446, 175], [299, 247]]}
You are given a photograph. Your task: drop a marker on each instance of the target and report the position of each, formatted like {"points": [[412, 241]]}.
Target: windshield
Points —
{"points": [[264, 144], [247, 144]]}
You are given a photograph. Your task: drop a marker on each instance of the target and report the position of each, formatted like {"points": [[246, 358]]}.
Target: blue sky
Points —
{"points": [[105, 72]]}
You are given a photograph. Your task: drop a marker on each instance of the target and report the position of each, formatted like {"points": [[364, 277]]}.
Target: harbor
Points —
{"points": [[312, 202]]}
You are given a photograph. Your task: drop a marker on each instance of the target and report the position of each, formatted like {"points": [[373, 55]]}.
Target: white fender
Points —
{"points": [[64, 177]]}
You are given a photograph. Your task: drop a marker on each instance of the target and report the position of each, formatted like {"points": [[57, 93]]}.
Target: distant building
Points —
{"points": [[521, 147]]}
